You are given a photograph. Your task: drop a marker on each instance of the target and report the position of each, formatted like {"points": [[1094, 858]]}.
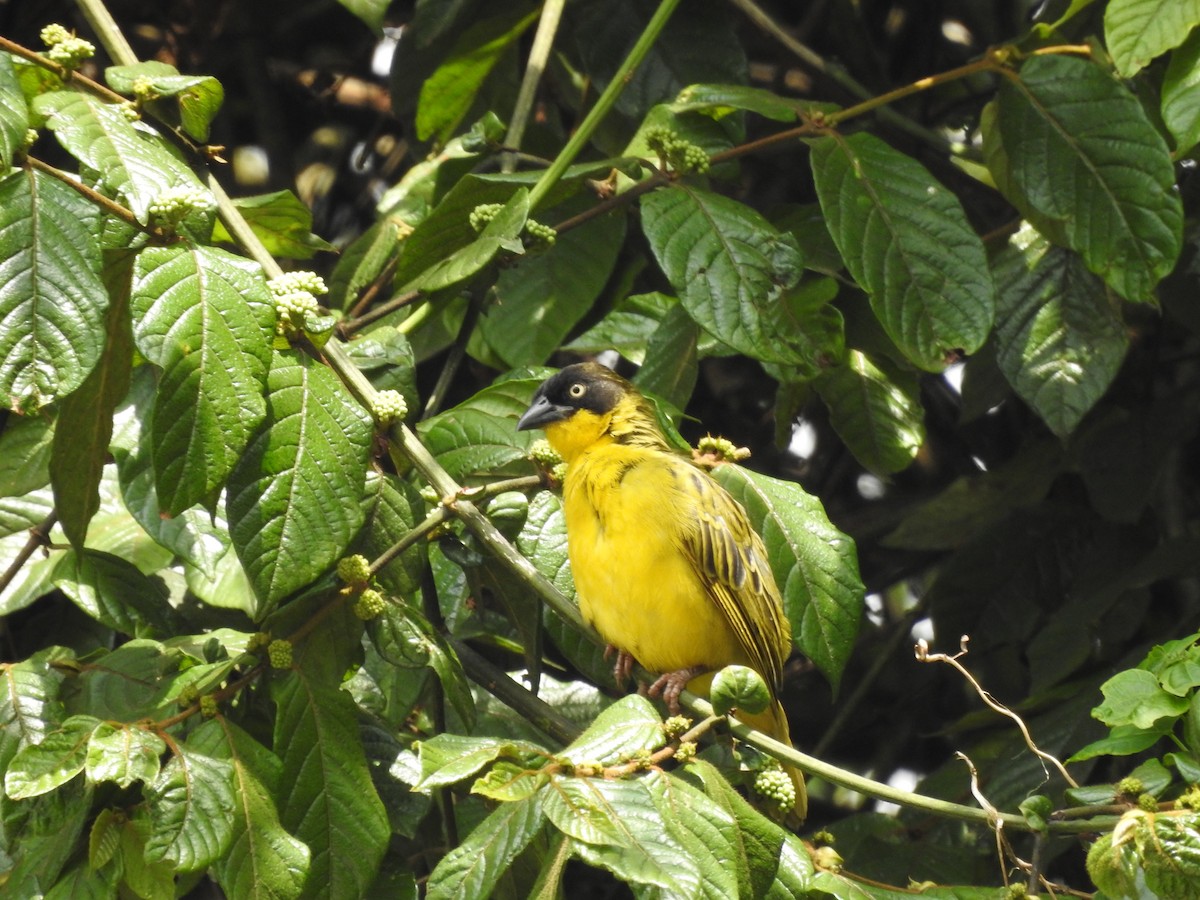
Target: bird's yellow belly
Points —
{"points": [[639, 590]]}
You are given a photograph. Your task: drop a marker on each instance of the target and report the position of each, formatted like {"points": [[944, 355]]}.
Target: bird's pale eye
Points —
{"points": [[577, 390]]}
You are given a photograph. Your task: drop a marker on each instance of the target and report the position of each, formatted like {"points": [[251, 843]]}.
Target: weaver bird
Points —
{"points": [[666, 564]]}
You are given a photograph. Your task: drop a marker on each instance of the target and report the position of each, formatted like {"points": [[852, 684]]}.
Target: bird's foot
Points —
{"points": [[622, 667], [671, 685]]}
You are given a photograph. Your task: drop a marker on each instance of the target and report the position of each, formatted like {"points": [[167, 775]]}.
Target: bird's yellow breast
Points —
{"points": [[627, 510]]}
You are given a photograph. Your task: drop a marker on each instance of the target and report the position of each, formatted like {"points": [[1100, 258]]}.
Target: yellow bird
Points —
{"points": [[666, 564]]}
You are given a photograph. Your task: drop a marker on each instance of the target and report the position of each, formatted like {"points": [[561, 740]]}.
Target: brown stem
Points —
{"points": [[109, 205], [352, 325], [69, 75], [38, 535]]}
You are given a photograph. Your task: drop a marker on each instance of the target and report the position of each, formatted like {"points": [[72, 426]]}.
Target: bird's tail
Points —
{"points": [[773, 721]]}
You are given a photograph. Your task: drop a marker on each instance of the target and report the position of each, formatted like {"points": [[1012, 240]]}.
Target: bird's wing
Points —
{"points": [[732, 562]]}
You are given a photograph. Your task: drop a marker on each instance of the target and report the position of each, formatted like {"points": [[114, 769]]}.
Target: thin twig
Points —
{"points": [[38, 535], [68, 75], [110, 206], [539, 55], [350, 326]]}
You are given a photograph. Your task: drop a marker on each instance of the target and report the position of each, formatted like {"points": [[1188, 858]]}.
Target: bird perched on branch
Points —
{"points": [[666, 564]]}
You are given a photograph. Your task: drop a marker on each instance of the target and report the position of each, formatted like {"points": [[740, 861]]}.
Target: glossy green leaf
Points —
{"points": [[1082, 151], [877, 413], [85, 417], [62, 754], [1124, 740], [124, 754], [52, 299], [297, 496], [473, 868], [480, 435], [281, 221], [205, 318], [1180, 98], [627, 726], [1134, 697], [1060, 338], [730, 267], [628, 328], [83, 883], [447, 758], [29, 705], [113, 591], [708, 833], [502, 232], [47, 838], [326, 798], [192, 806], [14, 113], [264, 862], [447, 94], [132, 161], [719, 100], [365, 259], [672, 366], [1138, 31], [396, 508], [197, 98], [907, 242], [25, 446], [540, 298], [815, 565], [126, 684]]}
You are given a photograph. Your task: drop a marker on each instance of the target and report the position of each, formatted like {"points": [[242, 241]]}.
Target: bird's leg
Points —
{"points": [[622, 667], [671, 685]]}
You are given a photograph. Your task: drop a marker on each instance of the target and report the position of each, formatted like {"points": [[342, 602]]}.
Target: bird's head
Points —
{"points": [[585, 403]]}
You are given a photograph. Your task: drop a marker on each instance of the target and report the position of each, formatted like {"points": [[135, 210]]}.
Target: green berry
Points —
{"points": [[430, 495], [257, 641], [543, 454], [1147, 802], [1190, 799], [31, 136], [676, 725], [559, 472], [541, 236], [130, 111], [354, 569], [208, 706], [298, 281], [279, 652], [1131, 786], [187, 696], [774, 784], [685, 752], [70, 52], [143, 88], [369, 605], [389, 407], [484, 213], [175, 204]]}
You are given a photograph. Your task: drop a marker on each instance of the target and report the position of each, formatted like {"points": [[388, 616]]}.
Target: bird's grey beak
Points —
{"points": [[542, 412]]}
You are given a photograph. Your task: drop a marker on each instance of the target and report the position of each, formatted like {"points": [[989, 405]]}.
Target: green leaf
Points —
{"points": [[1083, 152], [501, 233], [473, 868], [14, 113], [718, 100], [479, 435], [205, 318], [1171, 857], [708, 833], [627, 726], [192, 804], [877, 413], [132, 161], [326, 796], [1135, 697], [126, 684], [450, 758], [84, 883], [907, 242], [730, 267], [154, 880], [671, 367], [47, 839], [281, 221], [198, 98], [52, 300], [113, 591], [29, 705], [1180, 99], [1138, 31], [371, 12], [85, 418], [365, 259], [540, 298], [448, 93], [1125, 740], [396, 508], [124, 754], [25, 446], [815, 565], [40, 768], [297, 496], [1060, 338], [263, 862]]}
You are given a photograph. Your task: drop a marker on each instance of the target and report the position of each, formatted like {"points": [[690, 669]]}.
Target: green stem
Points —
{"points": [[539, 54], [107, 30], [603, 103]]}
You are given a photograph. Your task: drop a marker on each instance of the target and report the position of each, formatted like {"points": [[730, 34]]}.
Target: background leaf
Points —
{"points": [[1137, 31]]}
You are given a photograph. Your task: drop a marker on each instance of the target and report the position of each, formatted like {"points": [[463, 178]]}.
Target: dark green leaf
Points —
{"points": [[124, 754], [126, 684], [1138, 31], [198, 97], [83, 883], [371, 12], [1082, 151], [1060, 338], [264, 862], [907, 242], [364, 260], [473, 868], [671, 366], [707, 832], [192, 805], [62, 754], [1125, 740], [448, 93], [25, 446], [85, 419], [1180, 99], [501, 233], [14, 113], [113, 591], [52, 299], [205, 317], [133, 162], [395, 510], [281, 221], [47, 838], [877, 413], [297, 496], [730, 267], [718, 100], [326, 796], [815, 565]]}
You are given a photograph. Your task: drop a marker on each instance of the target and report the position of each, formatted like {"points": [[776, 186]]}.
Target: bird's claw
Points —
{"points": [[671, 685], [622, 667]]}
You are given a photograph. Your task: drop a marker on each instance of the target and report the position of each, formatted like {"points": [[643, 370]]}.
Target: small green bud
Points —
{"points": [[676, 725], [721, 448], [685, 752], [298, 281], [1131, 786], [279, 652], [1147, 802], [389, 407], [773, 784], [541, 236], [559, 472], [175, 204], [354, 570], [54, 34], [484, 213], [543, 454], [70, 52], [187, 696], [430, 495], [208, 706], [1190, 799], [640, 759], [827, 858], [257, 641], [143, 88], [369, 605]]}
